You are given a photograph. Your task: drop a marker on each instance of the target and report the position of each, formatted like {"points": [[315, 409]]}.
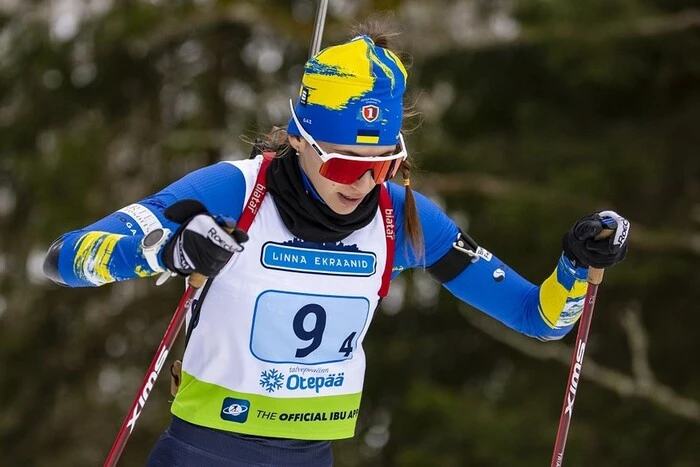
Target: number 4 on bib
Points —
{"points": [[346, 348]]}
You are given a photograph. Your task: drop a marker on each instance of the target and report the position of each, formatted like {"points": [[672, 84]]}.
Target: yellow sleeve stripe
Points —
{"points": [[579, 289], [553, 301], [94, 251]]}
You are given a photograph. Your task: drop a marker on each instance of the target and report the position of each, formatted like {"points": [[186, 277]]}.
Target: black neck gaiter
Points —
{"points": [[306, 217]]}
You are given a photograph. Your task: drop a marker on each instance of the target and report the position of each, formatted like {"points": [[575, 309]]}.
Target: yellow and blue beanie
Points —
{"points": [[352, 93]]}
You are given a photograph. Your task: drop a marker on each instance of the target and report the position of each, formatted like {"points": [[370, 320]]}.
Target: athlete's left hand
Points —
{"points": [[583, 248]]}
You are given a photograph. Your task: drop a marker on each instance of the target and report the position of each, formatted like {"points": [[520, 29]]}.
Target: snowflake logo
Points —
{"points": [[271, 380]]}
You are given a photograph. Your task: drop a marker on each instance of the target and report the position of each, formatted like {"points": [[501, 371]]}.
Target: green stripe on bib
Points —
{"points": [[312, 418]]}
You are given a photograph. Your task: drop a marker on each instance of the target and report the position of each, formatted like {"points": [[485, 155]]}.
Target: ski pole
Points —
{"points": [[319, 23], [195, 282], [595, 277]]}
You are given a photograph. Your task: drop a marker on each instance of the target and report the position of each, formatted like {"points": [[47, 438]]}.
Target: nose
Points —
{"points": [[365, 182]]}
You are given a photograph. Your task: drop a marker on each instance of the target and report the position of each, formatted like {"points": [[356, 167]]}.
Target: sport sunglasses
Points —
{"points": [[346, 169]]}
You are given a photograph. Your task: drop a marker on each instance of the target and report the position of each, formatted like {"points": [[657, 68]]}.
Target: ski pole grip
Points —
{"points": [[196, 279], [595, 275]]}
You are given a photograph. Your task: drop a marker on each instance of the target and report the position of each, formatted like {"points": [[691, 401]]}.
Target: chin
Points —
{"points": [[343, 210]]}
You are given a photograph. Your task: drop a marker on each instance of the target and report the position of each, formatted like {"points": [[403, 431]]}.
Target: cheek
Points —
{"points": [[311, 165], [323, 186]]}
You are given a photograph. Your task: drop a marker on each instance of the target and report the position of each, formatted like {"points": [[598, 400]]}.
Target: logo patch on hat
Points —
{"points": [[370, 113], [304, 96]]}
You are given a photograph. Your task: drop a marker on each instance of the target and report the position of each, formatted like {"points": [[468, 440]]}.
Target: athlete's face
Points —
{"points": [[342, 199]]}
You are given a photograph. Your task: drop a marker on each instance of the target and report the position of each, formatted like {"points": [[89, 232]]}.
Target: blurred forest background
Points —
{"points": [[535, 112]]}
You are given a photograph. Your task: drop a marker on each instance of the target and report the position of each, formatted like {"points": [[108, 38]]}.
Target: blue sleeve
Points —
{"points": [[439, 231], [546, 312], [110, 249]]}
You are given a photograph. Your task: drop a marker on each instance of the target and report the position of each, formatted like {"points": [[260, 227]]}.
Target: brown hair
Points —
{"points": [[381, 29]]}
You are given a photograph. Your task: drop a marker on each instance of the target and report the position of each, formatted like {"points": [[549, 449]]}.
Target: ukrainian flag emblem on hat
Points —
{"points": [[367, 136], [352, 93]]}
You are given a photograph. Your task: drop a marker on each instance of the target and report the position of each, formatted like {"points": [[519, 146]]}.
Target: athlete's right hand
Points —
{"points": [[201, 244]]}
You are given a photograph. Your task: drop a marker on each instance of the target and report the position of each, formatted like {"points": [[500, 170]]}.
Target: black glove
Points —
{"points": [[200, 244], [582, 248]]}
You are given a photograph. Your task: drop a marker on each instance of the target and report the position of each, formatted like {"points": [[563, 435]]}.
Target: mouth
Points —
{"points": [[348, 200]]}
